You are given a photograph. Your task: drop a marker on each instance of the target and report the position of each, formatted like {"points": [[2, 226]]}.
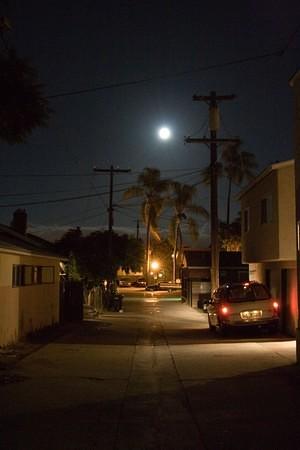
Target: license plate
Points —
{"points": [[251, 315]]}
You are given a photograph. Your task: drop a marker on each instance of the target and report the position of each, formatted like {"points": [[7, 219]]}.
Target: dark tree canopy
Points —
{"points": [[91, 253], [22, 106], [230, 235]]}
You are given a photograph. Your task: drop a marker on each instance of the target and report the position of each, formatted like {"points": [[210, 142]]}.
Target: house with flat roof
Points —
{"points": [[269, 237]]}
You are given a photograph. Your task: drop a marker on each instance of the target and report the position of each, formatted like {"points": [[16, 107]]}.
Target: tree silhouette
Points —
{"points": [[23, 106], [151, 188], [236, 165], [89, 254], [183, 205]]}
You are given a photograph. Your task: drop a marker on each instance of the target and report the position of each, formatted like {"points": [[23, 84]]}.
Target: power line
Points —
{"points": [[79, 197], [35, 175], [65, 199], [277, 53], [70, 175]]}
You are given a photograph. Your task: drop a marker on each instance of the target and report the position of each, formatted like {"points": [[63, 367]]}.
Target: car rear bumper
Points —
{"points": [[274, 322]]}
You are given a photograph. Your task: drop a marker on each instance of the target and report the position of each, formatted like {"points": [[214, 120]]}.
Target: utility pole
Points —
{"points": [[214, 123], [110, 208]]}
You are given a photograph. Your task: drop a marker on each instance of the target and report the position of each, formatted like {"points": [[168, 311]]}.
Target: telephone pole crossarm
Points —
{"points": [[207, 98], [189, 140], [111, 171], [95, 169]]}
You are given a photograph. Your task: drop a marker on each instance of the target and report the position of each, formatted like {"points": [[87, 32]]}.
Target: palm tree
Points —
{"points": [[151, 188], [236, 165], [182, 203]]}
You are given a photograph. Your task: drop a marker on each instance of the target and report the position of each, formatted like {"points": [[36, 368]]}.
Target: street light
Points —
{"points": [[155, 267]]}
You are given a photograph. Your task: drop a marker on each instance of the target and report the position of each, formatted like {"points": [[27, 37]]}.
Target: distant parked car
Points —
{"points": [[242, 305], [140, 282], [124, 282], [153, 287]]}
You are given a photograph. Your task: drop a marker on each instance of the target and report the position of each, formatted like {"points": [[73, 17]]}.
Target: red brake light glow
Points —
{"points": [[224, 310]]}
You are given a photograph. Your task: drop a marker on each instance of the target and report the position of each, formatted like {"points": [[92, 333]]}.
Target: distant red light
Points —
{"points": [[275, 305]]}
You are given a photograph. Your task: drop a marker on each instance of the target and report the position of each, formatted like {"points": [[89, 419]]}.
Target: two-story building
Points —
{"points": [[269, 238]]}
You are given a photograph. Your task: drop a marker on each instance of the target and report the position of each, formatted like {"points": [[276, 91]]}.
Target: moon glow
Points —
{"points": [[164, 133]]}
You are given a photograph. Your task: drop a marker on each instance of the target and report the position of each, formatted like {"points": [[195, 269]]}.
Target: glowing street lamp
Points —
{"points": [[155, 265]]}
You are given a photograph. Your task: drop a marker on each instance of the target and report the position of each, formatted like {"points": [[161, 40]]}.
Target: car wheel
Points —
{"points": [[222, 329], [210, 326]]}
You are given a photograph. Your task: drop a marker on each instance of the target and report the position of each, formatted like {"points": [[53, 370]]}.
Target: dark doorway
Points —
{"points": [[268, 278]]}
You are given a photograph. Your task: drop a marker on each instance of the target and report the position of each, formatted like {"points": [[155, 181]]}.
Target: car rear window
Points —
{"points": [[260, 292], [248, 292]]}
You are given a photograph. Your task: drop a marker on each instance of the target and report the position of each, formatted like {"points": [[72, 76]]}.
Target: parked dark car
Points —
{"points": [[124, 282], [140, 282], [242, 305], [153, 287]]}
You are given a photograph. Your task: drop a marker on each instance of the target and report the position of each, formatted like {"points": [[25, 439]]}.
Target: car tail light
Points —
{"points": [[275, 308], [224, 310]]}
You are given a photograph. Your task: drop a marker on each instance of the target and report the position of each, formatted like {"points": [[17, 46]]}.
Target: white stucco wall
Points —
{"points": [[261, 241], [26, 308], [9, 301], [287, 213]]}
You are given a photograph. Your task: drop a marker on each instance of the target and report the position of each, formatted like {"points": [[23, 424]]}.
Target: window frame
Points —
{"points": [[31, 275], [246, 220], [266, 210]]}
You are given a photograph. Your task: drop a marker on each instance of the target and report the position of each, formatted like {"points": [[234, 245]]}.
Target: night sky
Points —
{"points": [[172, 50]]}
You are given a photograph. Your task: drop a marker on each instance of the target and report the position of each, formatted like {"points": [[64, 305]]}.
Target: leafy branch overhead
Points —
{"points": [[23, 106]]}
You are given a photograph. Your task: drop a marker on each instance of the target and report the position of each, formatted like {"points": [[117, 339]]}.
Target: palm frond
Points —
{"points": [[199, 210], [133, 191], [193, 228]]}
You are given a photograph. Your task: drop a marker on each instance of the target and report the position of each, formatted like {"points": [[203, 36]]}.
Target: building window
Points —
{"points": [[246, 220], [266, 210], [25, 275], [17, 275], [47, 275]]}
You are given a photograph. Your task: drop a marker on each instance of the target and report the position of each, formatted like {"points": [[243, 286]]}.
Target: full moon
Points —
{"points": [[164, 133]]}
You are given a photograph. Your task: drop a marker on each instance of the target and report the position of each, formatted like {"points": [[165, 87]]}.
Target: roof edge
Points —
{"points": [[294, 77], [272, 167]]}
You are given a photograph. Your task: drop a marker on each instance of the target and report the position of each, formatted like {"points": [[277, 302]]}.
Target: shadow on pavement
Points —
{"points": [[259, 411]]}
